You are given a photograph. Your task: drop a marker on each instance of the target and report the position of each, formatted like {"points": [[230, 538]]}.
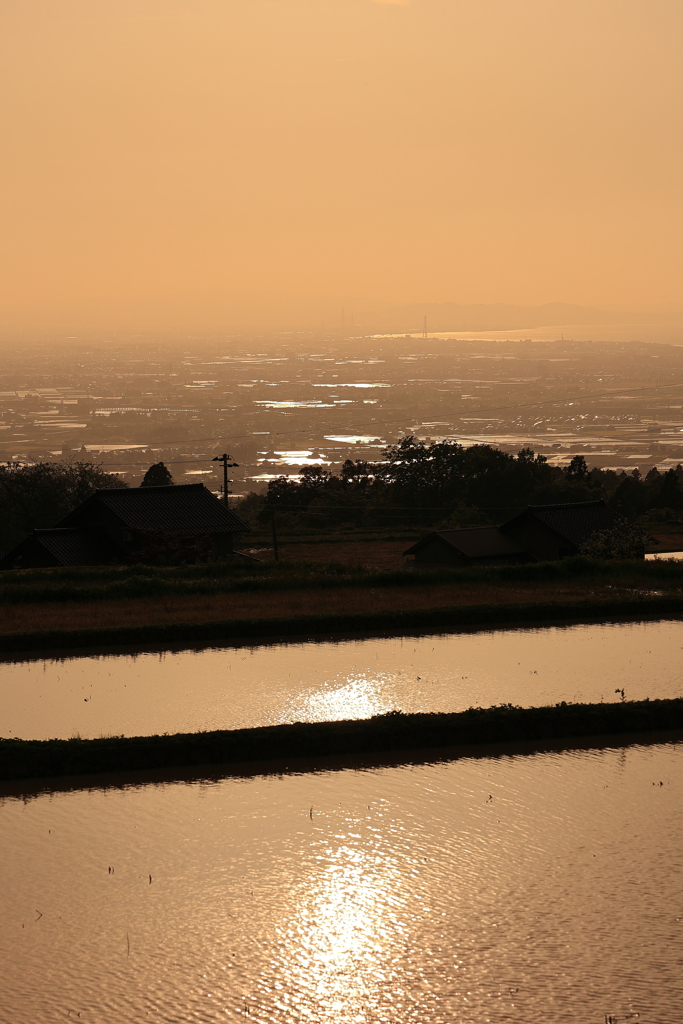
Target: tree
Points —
{"points": [[670, 495], [157, 476], [657, 518], [359, 473], [624, 540], [630, 497], [314, 478], [464, 516], [577, 470], [37, 497]]}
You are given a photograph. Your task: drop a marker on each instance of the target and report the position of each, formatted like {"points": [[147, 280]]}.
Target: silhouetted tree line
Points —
{"points": [[416, 484], [443, 483]]}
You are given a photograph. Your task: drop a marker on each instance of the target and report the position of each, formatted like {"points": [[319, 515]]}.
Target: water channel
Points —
{"points": [[235, 687]]}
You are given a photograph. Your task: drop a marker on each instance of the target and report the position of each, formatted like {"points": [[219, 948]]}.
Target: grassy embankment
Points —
{"points": [[395, 732], [61, 608]]}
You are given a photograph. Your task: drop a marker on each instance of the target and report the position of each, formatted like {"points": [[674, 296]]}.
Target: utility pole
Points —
{"points": [[224, 460], [424, 326], [276, 553]]}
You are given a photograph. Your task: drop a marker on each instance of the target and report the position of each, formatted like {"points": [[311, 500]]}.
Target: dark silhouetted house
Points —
{"points": [[540, 532], [481, 545], [549, 532], [44, 549], [122, 525]]}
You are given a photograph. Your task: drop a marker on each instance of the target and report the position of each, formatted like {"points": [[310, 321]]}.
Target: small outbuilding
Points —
{"points": [[549, 532], [45, 549], [480, 545], [122, 525], [539, 533]]}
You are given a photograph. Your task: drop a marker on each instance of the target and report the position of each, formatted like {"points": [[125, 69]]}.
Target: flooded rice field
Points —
{"points": [[530, 889], [235, 687]]}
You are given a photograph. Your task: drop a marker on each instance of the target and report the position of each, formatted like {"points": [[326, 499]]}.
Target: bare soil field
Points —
{"points": [[667, 542], [379, 554]]}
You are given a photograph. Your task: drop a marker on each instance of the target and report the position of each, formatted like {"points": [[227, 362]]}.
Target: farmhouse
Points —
{"points": [[483, 545], [549, 532], [123, 525], [540, 533]]}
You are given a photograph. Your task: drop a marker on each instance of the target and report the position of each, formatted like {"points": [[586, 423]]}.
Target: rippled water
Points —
{"points": [[541, 888], [237, 687]]}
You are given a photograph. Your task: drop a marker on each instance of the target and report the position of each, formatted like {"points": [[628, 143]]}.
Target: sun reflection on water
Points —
{"points": [[343, 938], [359, 695]]}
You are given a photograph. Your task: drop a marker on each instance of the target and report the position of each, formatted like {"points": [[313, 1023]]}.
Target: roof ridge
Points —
{"points": [[61, 529], [569, 504], [138, 490], [456, 529]]}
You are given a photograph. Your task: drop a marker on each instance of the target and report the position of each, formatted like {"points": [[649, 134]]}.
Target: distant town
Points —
{"points": [[279, 403]]}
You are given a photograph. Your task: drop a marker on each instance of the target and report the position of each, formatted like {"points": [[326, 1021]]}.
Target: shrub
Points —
{"points": [[622, 541]]}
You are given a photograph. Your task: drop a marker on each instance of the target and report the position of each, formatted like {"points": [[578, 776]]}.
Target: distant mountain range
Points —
{"points": [[252, 311], [452, 316]]}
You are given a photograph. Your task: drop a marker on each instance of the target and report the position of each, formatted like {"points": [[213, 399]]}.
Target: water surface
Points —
{"points": [[530, 889], [235, 687]]}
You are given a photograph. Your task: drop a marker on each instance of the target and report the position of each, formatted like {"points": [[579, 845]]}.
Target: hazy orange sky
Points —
{"points": [[206, 162]]}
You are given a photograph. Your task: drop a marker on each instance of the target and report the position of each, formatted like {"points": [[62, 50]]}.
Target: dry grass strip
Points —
{"points": [[172, 609]]}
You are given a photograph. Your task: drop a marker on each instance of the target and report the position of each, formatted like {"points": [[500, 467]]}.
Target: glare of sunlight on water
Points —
{"points": [[343, 932], [533, 889], [358, 696]]}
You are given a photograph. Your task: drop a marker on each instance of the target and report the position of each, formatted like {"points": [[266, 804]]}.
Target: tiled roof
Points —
{"points": [[477, 542], [575, 521], [76, 547], [180, 508]]}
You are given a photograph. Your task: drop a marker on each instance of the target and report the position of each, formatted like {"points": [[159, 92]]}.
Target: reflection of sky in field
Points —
{"points": [[352, 385], [354, 438], [305, 458], [472, 380], [267, 477], [239, 687], [520, 889], [294, 405]]}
